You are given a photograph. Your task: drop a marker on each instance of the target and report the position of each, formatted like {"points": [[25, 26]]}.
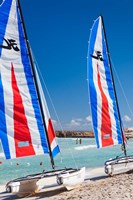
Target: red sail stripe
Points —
{"points": [[21, 130], [51, 132], [106, 131]]}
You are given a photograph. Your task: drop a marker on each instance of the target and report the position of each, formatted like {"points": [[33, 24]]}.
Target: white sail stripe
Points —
{"points": [[46, 111], [9, 108], [53, 144], [98, 46], [28, 108], [20, 76], [106, 92], [99, 103], [6, 76], [110, 104], [44, 103]]}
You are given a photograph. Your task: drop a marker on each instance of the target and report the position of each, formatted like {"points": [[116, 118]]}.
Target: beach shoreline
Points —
{"points": [[97, 186]]}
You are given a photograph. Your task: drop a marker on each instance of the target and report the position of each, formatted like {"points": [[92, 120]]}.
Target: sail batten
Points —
{"points": [[22, 131], [105, 116]]}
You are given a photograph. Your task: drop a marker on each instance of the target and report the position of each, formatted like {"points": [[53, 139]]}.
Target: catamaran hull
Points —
{"points": [[23, 188], [31, 184], [72, 180], [119, 165]]}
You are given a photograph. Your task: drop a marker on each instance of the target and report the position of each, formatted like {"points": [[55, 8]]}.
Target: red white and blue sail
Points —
{"points": [[22, 132], [105, 118], [48, 122]]}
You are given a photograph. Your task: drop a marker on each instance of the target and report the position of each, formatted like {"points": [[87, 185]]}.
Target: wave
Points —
{"points": [[1, 155], [85, 147]]}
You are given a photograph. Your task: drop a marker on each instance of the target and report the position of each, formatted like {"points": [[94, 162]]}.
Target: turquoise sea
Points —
{"points": [[72, 155]]}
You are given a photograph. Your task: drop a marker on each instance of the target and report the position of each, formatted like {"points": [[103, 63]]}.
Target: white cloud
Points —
{"points": [[79, 124], [76, 122], [126, 118], [89, 118]]}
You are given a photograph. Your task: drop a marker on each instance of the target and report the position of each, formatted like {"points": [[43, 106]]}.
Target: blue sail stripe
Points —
{"points": [[97, 45], [5, 8], [92, 90], [3, 129], [30, 84], [55, 151], [110, 89], [17, 53]]}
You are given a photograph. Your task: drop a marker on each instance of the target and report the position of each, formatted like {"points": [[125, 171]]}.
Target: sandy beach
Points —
{"points": [[97, 186]]}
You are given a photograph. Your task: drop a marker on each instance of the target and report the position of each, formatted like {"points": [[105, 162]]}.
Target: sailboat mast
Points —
{"points": [[124, 147], [36, 85]]}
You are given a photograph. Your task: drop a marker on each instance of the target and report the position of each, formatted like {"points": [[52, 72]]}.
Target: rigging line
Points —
{"points": [[54, 110], [122, 89], [119, 155]]}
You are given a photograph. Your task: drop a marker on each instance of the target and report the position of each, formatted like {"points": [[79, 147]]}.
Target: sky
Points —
{"points": [[58, 32]]}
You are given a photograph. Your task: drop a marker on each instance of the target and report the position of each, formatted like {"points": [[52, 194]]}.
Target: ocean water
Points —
{"points": [[72, 155]]}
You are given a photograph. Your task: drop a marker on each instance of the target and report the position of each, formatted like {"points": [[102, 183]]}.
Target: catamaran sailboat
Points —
{"points": [[25, 125], [107, 123]]}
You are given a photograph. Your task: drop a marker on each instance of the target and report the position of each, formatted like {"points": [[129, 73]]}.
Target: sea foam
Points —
{"points": [[85, 147]]}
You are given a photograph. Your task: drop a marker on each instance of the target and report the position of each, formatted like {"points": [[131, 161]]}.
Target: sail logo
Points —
{"points": [[98, 55], [10, 44]]}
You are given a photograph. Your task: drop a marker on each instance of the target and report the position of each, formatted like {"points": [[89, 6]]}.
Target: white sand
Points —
{"points": [[100, 187]]}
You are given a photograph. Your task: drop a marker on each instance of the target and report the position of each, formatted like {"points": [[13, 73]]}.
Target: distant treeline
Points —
{"points": [[75, 134], [85, 134]]}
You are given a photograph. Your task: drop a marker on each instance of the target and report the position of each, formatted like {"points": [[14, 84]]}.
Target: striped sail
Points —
{"points": [[48, 122], [105, 118], [22, 132]]}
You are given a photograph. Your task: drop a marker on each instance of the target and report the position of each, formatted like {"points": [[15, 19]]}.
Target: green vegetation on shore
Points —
{"points": [[75, 134], [85, 134]]}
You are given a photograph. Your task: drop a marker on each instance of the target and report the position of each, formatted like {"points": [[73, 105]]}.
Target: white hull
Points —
{"points": [[119, 165], [72, 180], [23, 188], [31, 184], [47, 182]]}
